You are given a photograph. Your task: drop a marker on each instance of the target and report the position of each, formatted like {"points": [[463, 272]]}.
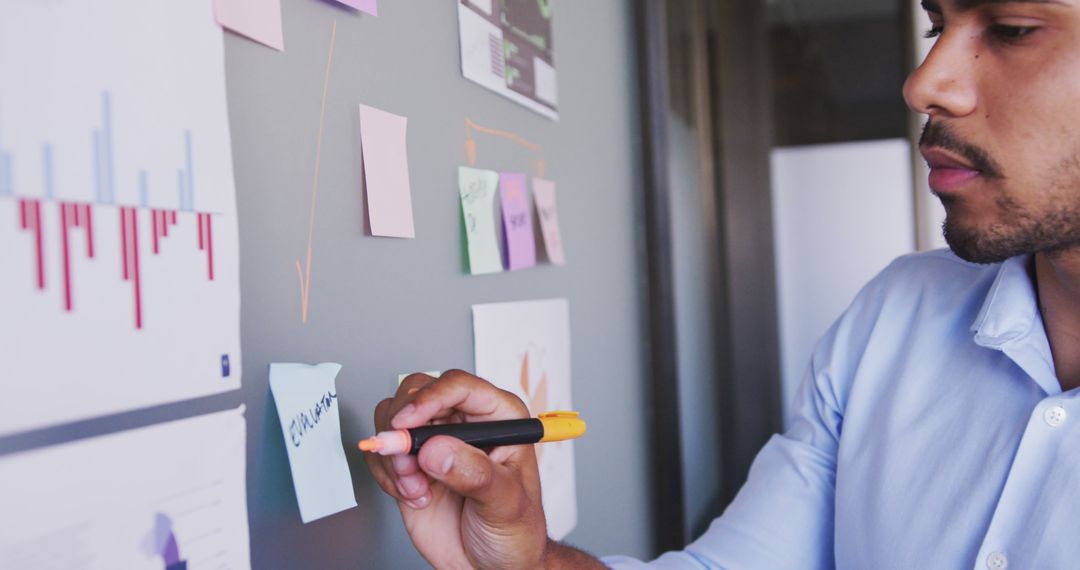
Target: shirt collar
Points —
{"points": [[1010, 321]]}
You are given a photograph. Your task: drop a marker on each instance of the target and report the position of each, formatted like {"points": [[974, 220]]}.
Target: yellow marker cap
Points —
{"points": [[561, 425]]}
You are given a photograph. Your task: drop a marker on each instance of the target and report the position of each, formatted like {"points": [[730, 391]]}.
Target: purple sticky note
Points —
{"points": [[368, 6], [517, 222]]}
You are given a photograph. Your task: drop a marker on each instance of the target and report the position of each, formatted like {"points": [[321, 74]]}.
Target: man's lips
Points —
{"points": [[947, 171]]}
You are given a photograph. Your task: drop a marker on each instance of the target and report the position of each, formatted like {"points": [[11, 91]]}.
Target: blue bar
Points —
{"points": [[47, 160], [7, 188], [144, 193], [107, 145], [190, 174]]}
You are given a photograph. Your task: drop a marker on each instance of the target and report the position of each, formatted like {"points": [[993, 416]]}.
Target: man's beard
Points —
{"points": [[1020, 233], [1053, 226]]}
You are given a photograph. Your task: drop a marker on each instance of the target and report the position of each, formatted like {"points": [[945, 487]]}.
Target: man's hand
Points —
{"points": [[463, 507]]}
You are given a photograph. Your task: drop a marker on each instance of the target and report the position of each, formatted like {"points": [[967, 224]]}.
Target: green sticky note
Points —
{"points": [[478, 189]]}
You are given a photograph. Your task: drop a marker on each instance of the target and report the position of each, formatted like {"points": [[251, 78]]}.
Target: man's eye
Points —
{"points": [[933, 32], [1010, 33]]}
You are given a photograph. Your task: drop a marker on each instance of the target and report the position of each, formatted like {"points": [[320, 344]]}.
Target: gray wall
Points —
{"points": [[384, 306]]}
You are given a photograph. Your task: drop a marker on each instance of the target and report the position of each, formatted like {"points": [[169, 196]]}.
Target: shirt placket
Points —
{"points": [[1051, 421]]}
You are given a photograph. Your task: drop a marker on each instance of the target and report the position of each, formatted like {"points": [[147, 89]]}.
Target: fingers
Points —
{"points": [[456, 391], [399, 476], [420, 399], [503, 493]]}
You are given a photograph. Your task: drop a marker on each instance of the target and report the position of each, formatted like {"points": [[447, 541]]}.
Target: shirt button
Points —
{"points": [[997, 561], [1055, 416]]}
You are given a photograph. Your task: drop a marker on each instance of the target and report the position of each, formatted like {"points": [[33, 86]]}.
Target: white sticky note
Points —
{"points": [[259, 20], [307, 405], [386, 173], [524, 348], [433, 373]]}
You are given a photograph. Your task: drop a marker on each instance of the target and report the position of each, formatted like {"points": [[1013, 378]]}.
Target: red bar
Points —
{"points": [[89, 231], [124, 242], [154, 217], [22, 213], [174, 217], [165, 222], [40, 245], [201, 245], [64, 207], [135, 254], [75, 210], [210, 245]]}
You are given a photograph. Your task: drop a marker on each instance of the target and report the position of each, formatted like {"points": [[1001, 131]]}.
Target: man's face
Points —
{"points": [[1002, 88]]}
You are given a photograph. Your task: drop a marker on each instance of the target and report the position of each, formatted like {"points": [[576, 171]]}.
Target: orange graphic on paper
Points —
{"points": [[537, 398]]}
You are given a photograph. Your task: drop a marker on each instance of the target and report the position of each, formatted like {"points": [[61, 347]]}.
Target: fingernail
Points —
{"points": [[419, 503], [403, 413], [413, 391], [409, 484], [446, 464]]}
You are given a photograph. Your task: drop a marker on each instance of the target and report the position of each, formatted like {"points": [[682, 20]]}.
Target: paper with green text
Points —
{"points": [[478, 189]]}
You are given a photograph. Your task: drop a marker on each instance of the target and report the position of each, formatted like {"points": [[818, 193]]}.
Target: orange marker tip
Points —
{"points": [[370, 444]]}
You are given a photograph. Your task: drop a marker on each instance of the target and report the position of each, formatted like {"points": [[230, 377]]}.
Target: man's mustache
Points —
{"points": [[937, 134]]}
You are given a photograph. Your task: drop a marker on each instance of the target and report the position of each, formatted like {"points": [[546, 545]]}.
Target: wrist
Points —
{"points": [[559, 556]]}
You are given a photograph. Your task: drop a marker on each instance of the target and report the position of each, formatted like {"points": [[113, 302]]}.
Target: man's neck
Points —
{"points": [[1058, 281]]}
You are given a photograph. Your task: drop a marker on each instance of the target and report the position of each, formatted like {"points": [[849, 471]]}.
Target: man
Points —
{"points": [[938, 425]]}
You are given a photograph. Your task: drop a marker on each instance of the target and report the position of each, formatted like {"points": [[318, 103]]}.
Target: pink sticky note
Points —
{"points": [[369, 6], [517, 223], [386, 173], [259, 20], [548, 212]]}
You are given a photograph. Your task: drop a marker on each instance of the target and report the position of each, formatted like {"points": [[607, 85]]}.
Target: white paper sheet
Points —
{"points": [[150, 498], [524, 348], [306, 398], [113, 124]]}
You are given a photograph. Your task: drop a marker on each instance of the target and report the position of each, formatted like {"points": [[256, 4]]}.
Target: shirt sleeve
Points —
{"points": [[783, 517]]}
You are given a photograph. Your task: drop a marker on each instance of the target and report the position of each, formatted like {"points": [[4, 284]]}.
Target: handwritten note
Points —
{"points": [[548, 211], [306, 399], [259, 20], [368, 6], [478, 189], [517, 221], [386, 173]]}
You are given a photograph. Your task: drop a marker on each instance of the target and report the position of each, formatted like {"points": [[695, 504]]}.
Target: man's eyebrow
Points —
{"points": [[964, 5]]}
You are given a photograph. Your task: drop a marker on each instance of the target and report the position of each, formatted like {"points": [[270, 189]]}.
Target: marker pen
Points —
{"points": [[550, 426]]}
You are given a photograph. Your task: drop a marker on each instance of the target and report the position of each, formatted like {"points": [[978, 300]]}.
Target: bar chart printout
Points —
{"points": [[169, 496], [118, 239]]}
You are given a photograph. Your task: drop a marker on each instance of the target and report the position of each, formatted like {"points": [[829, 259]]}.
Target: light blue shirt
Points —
{"points": [[930, 432]]}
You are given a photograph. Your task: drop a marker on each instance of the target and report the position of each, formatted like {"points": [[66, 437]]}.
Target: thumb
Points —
{"points": [[499, 490]]}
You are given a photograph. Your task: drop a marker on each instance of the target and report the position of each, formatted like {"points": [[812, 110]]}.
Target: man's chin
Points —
{"points": [[977, 246]]}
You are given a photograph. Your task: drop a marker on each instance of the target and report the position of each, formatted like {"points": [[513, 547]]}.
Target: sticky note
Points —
{"points": [[307, 405], [368, 6], [433, 373], [478, 189], [386, 173], [548, 211], [259, 20], [517, 222]]}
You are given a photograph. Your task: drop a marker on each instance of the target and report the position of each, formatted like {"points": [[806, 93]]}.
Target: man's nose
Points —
{"points": [[944, 85]]}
